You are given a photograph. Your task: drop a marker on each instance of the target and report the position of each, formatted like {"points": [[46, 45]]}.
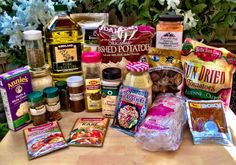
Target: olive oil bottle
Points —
{"points": [[64, 44]]}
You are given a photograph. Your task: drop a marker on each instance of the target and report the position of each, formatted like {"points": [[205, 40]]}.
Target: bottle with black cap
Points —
{"points": [[111, 80], [169, 31]]}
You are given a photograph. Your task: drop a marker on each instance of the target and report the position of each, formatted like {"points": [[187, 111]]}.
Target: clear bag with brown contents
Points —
{"points": [[165, 70]]}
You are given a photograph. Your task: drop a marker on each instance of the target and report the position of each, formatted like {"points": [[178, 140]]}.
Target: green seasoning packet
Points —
{"points": [[88, 132], [44, 139]]}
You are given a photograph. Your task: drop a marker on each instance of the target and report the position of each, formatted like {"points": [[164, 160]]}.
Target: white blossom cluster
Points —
{"points": [[189, 20], [29, 15]]}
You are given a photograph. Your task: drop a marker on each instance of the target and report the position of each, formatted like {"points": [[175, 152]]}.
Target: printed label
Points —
{"points": [[38, 110], [53, 108], [109, 97], [169, 40], [93, 93], [90, 37], [77, 97], [66, 57]]}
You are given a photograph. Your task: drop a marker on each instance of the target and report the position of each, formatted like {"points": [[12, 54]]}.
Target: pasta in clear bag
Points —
{"points": [[162, 129]]}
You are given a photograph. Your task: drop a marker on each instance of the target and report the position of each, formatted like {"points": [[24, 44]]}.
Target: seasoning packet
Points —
{"points": [[165, 70], [207, 122], [120, 45], [44, 139], [162, 128], [131, 108], [15, 85], [208, 72], [88, 132], [89, 23]]}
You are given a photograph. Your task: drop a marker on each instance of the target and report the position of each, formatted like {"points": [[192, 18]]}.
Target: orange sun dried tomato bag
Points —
{"points": [[208, 71]]}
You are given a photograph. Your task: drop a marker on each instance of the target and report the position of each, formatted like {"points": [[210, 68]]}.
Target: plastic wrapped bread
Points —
{"points": [[162, 129]]}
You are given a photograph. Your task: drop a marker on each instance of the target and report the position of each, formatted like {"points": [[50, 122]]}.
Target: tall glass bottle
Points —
{"points": [[64, 44]]}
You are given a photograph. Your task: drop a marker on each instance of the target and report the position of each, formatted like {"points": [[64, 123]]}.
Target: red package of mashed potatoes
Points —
{"points": [[120, 45], [208, 71]]}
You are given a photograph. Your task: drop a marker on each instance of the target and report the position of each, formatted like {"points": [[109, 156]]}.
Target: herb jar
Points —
{"points": [[34, 49], [138, 77], [91, 63], [53, 103], [37, 108], [111, 80], [41, 79], [76, 93], [63, 94], [169, 32]]}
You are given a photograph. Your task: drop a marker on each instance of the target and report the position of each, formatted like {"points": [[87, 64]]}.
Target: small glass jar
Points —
{"points": [[37, 108], [138, 77], [41, 79], [34, 49], [91, 63], [169, 32], [76, 93], [111, 80], [63, 94], [53, 103]]}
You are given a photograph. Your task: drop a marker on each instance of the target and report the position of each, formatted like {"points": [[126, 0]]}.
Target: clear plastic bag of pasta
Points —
{"points": [[162, 129]]}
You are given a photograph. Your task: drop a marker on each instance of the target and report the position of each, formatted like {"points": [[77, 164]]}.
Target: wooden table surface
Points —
{"points": [[118, 149]]}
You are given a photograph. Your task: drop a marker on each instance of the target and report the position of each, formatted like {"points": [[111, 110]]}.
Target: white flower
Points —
{"points": [[189, 20], [161, 2], [172, 4]]}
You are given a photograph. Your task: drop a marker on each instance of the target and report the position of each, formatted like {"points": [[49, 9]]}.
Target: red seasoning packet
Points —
{"points": [[88, 132], [44, 139]]}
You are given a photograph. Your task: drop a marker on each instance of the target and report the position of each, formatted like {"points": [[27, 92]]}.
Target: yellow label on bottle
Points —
{"points": [[93, 94]]}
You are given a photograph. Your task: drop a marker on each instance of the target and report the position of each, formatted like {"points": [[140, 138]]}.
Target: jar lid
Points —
{"points": [[50, 92], [91, 57], [111, 73], [171, 18], [60, 7], [61, 84], [32, 35], [75, 81], [137, 66], [35, 97]]}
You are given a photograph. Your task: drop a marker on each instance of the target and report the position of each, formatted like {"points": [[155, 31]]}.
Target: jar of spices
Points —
{"points": [[53, 103], [37, 108], [41, 79], [138, 77], [169, 32], [91, 63], [76, 93], [111, 80], [63, 94], [34, 49]]}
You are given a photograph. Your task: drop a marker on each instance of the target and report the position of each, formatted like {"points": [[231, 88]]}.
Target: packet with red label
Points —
{"points": [[208, 71]]}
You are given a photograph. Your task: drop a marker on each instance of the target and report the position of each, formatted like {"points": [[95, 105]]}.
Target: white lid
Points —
{"points": [[32, 34], [75, 81]]}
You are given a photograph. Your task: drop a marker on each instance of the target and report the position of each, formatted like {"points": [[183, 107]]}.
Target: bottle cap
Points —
{"points": [[61, 84], [60, 7], [91, 57], [137, 66], [35, 97], [75, 81], [111, 73], [50, 92], [171, 18], [32, 35]]}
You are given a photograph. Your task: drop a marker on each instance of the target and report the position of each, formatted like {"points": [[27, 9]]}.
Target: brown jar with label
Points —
{"points": [[76, 93], [37, 108]]}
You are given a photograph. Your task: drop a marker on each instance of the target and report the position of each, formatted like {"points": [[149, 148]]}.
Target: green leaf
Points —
{"points": [[188, 4], [121, 4], [199, 8], [217, 17], [141, 22], [220, 37], [146, 14], [230, 19], [112, 2], [154, 9], [215, 1]]}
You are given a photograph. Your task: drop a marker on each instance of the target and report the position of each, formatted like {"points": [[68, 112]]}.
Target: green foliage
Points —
{"points": [[3, 130]]}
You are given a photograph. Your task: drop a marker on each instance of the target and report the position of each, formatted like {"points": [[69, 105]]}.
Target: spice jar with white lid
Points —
{"points": [[41, 79], [53, 105], [34, 49], [138, 77], [76, 93], [37, 108]]}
